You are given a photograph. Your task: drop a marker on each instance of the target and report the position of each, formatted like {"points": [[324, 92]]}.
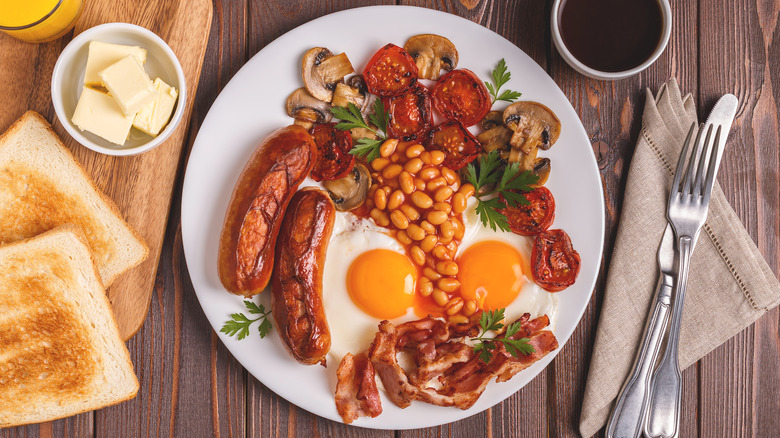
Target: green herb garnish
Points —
{"points": [[491, 321], [239, 323], [500, 77], [351, 117], [507, 180]]}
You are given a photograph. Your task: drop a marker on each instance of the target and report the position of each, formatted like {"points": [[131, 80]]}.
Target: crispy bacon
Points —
{"points": [[383, 357], [356, 392]]}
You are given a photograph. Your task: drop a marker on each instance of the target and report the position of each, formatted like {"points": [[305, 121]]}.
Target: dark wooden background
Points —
{"points": [[192, 387]]}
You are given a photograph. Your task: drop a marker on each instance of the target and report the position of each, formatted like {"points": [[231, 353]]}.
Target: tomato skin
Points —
{"points": [[554, 262], [462, 96], [410, 114], [333, 158], [457, 142], [390, 72], [528, 220]]}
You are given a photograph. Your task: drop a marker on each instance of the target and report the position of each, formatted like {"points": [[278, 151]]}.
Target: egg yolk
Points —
{"points": [[491, 274], [381, 282]]}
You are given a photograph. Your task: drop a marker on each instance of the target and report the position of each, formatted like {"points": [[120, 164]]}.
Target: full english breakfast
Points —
{"points": [[435, 236]]}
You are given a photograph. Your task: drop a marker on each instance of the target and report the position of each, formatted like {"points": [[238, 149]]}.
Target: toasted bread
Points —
{"points": [[42, 186], [61, 351]]}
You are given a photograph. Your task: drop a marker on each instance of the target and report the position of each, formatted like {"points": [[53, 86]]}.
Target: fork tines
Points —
{"points": [[696, 182]]}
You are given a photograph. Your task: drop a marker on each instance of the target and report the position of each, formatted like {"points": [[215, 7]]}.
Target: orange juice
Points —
{"points": [[37, 21]]}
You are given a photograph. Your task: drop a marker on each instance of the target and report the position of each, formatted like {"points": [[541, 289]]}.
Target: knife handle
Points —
{"points": [[628, 414]]}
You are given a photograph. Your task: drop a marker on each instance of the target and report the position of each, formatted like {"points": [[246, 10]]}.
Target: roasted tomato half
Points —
{"points": [[554, 263], [410, 114], [333, 158], [528, 220], [390, 71], [456, 141], [462, 96]]}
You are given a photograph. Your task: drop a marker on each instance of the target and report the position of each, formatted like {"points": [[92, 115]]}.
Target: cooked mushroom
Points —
{"points": [[344, 95], [306, 110], [492, 119], [322, 70], [432, 53], [533, 126], [351, 191], [542, 170], [495, 138]]}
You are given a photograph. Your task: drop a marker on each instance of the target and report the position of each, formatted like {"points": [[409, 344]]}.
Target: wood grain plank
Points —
{"points": [[739, 43]]}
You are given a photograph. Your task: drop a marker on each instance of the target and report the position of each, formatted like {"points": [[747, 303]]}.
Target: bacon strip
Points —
{"points": [[356, 392]]}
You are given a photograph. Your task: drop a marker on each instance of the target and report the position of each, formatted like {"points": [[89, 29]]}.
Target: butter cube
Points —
{"points": [[129, 84], [153, 117], [98, 113], [102, 55]]}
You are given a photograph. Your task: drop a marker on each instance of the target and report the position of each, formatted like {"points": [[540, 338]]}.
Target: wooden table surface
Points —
{"points": [[192, 387]]}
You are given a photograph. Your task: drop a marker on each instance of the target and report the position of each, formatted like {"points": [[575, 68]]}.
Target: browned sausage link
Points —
{"points": [[254, 215], [296, 296]]}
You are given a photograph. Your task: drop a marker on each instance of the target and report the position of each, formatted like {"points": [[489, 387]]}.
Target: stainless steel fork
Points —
{"points": [[686, 211]]}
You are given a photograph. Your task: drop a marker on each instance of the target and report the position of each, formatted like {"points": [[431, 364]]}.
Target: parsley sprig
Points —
{"points": [[507, 183], [352, 118], [500, 77], [491, 321], [239, 323]]}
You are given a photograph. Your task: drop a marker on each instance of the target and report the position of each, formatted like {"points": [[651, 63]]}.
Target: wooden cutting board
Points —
{"points": [[142, 186]]}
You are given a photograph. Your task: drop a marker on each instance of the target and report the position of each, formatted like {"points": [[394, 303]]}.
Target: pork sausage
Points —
{"points": [[296, 297], [254, 215]]}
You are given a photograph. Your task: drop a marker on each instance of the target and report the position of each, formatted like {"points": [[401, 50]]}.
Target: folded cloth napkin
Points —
{"points": [[729, 286]]}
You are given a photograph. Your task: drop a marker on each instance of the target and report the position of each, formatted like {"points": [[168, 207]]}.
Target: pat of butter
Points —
{"points": [[129, 84], [102, 55], [98, 113], [153, 117]]}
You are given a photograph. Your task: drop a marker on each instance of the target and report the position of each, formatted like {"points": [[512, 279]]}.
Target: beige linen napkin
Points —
{"points": [[730, 284]]}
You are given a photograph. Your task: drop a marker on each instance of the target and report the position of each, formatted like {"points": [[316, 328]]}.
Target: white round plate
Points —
{"points": [[252, 106]]}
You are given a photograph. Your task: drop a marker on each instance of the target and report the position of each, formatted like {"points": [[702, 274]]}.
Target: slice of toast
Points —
{"points": [[61, 351], [42, 186]]}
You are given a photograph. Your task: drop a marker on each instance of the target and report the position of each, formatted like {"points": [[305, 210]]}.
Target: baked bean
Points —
{"points": [[413, 166], [425, 286], [403, 237], [406, 181], [452, 246], [454, 306], [458, 319], [380, 199], [428, 173], [387, 190], [369, 203], [467, 190], [443, 206], [410, 212], [422, 200], [426, 157], [388, 147], [380, 217], [419, 184], [469, 308], [395, 200], [414, 151], [440, 297], [415, 232], [437, 157], [447, 229], [395, 158], [428, 227], [436, 183], [459, 229], [448, 284], [418, 256], [443, 194], [436, 217], [393, 183], [458, 203], [450, 175], [441, 252], [379, 163], [430, 274], [429, 242], [445, 240], [447, 268], [399, 219], [392, 171]]}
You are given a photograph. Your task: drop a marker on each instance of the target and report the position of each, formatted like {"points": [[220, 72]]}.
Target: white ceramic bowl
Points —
{"points": [[666, 31], [68, 79]]}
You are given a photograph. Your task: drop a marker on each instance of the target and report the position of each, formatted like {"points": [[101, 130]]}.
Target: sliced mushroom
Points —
{"points": [[306, 110], [533, 124], [344, 95], [351, 191], [322, 70], [358, 133], [542, 170], [495, 138], [432, 53], [492, 119]]}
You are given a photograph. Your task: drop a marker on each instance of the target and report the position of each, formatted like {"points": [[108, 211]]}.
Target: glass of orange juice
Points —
{"points": [[37, 21]]}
